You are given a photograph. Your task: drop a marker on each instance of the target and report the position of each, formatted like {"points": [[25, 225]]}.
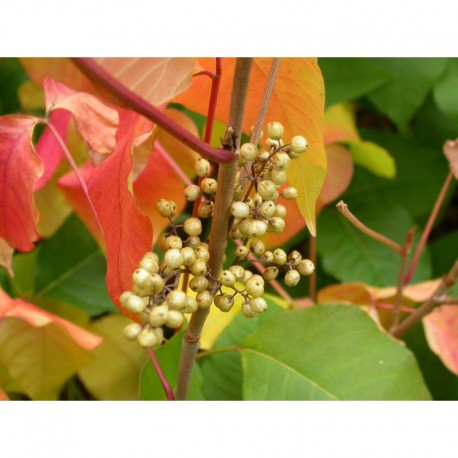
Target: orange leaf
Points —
{"points": [[20, 168], [451, 153], [3, 396], [6, 256], [441, 329], [95, 121], [158, 181], [157, 80], [297, 102], [350, 293], [127, 231], [339, 174], [37, 317]]}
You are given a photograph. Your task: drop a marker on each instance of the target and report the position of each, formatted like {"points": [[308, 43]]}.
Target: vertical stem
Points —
{"points": [[218, 240], [165, 384], [402, 272], [312, 278], [428, 228]]}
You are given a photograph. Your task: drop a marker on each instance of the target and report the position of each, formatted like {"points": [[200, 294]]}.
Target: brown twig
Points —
{"points": [[428, 228], [218, 239], [402, 270], [447, 281], [95, 72], [343, 208]]}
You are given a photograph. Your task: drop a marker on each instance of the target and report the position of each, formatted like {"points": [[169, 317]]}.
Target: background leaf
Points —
{"points": [[75, 276], [344, 356], [114, 372], [351, 256]]}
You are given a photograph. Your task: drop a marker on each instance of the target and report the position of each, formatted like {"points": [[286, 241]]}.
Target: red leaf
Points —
{"points": [[20, 168], [95, 121], [47, 147], [441, 329], [158, 181], [127, 232], [73, 192]]}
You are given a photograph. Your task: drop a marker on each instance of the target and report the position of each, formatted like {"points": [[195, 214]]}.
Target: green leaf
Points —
{"points": [[114, 372], [442, 383], [402, 96], [12, 75], [372, 157], [441, 255], [168, 357], [350, 78], [445, 94], [328, 352], [421, 172], [352, 256], [71, 268], [24, 267], [222, 372]]}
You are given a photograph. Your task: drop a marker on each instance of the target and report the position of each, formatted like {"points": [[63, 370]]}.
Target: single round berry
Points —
{"points": [[192, 226], [238, 271], [157, 315], [192, 192], [266, 189], [280, 161], [198, 284], [256, 228], [166, 208], [204, 299], [135, 304], [149, 265], [289, 193], [209, 185], [198, 267], [306, 267], [176, 300], [189, 256], [280, 211], [278, 176], [280, 256], [191, 305], [275, 130], [224, 302], [270, 273], [174, 319], [147, 338], [124, 296], [202, 167], [205, 209], [132, 330], [272, 143], [247, 310], [202, 252], [267, 208], [292, 278], [242, 251], [240, 209], [268, 256], [298, 144], [248, 152], [276, 224], [173, 241], [255, 286], [227, 278], [257, 304], [294, 258], [173, 258]]}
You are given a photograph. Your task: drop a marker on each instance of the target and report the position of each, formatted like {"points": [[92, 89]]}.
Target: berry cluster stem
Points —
{"points": [[218, 240]]}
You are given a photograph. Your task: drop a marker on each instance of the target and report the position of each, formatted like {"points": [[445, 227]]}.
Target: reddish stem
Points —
{"points": [[97, 73], [206, 73], [428, 228], [75, 170], [165, 384]]}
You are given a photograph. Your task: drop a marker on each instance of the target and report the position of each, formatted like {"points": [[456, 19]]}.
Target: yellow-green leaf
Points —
{"points": [[373, 157], [115, 370]]}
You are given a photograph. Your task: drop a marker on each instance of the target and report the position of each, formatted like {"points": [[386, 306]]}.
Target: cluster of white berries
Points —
{"points": [[156, 297]]}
